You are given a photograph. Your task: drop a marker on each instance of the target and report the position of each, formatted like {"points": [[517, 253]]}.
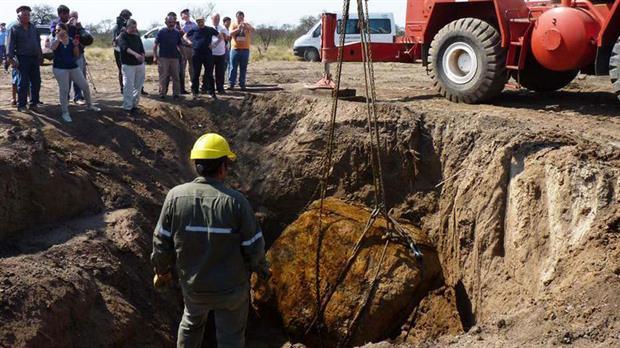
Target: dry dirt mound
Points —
{"points": [[80, 290], [37, 188], [400, 285]]}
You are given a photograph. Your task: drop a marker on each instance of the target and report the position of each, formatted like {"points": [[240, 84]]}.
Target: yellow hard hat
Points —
{"points": [[212, 146]]}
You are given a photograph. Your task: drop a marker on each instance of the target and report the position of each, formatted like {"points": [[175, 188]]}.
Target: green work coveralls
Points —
{"points": [[209, 231]]}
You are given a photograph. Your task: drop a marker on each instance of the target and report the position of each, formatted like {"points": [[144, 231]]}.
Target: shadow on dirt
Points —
{"points": [[584, 103]]}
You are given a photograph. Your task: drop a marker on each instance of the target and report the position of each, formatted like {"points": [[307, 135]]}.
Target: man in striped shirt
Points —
{"points": [[209, 231]]}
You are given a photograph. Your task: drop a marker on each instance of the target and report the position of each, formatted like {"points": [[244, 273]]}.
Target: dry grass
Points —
{"points": [[98, 54], [277, 52]]}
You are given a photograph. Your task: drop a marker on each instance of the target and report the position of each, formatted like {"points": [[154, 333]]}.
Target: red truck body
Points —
{"points": [[563, 37]]}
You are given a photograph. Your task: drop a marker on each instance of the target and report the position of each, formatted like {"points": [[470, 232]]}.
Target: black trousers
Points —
{"points": [[219, 64], [220, 71], [117, 58], [198, 61]]}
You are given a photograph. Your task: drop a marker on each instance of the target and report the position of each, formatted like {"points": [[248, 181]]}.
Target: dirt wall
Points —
{"points": [[524, 219]]}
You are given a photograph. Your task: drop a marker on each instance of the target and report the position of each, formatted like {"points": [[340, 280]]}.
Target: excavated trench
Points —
{"points": [[524, 222]]}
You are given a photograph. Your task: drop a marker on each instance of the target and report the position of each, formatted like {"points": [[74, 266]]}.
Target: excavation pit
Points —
{"points": [[524, 222]]}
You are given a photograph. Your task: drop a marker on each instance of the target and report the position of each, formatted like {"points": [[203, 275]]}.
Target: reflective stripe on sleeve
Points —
{"points": [[251, 241], [164, 233], [221, 230]]}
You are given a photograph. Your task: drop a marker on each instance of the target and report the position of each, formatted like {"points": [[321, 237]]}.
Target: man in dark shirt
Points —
{"points": [[119, 28], [201, 39], [132, 65], [24, 54], [169, 42], [63, 17]]}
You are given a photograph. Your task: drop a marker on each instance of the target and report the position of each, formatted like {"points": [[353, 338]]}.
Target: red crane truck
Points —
{"points": [[472, 47]]}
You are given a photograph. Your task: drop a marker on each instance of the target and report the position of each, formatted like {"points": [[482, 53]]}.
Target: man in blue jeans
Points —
{"points": [[24, 54], [241, 37], [2, 41]]}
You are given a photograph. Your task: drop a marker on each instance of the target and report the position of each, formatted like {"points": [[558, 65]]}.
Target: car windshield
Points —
{"points": [[377, 26], [151, 34]]}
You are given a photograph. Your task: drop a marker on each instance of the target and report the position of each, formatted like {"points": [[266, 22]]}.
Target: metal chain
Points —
{"points": [[395, 232], [326, 172], [398, 234], [373, 90]]}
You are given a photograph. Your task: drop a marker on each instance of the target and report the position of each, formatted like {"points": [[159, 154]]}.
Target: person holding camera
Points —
{"points": [[25, 56], [75, 30], [132, 59], [66, 70], [241, 33]]}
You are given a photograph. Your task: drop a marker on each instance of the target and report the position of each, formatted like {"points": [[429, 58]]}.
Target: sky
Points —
{"points": [[146, 12]]}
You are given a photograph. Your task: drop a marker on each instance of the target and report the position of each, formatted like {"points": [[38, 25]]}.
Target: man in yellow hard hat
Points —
{"points": [[209, 231]]}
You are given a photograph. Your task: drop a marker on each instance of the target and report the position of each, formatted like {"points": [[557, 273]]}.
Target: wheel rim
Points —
{"points": [[460, 63], [310, 55]]}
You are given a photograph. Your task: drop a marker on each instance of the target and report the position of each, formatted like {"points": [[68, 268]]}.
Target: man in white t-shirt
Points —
{"points": [[219, 53]]}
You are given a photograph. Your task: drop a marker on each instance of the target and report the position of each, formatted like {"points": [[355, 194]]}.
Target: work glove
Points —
{"points": [[263, 272], [162, 280]]}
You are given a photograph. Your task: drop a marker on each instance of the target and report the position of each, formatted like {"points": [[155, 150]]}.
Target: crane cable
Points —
{"points": [[318, 315], [395, 232]]}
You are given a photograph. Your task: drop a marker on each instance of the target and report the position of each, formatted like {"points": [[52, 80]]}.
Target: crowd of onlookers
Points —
{"points": [[221, 48]]}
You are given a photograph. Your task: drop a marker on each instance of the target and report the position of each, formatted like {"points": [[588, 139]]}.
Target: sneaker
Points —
{"points": [[213, 96], [94, 108], [80, 102], [221, 91], [22, 109], [243, 88], [230, 88], [66, 117]]}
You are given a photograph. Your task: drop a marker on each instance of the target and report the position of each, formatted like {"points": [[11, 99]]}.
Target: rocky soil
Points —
{"points": [[519, 199]]}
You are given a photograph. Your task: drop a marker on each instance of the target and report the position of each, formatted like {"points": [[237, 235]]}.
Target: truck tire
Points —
{"points": [[467, 61], [614, 68], [537, 78], [311, 55]]}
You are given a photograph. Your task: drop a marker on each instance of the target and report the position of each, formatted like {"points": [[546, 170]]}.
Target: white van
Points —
{"points": [[382, 29]]}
